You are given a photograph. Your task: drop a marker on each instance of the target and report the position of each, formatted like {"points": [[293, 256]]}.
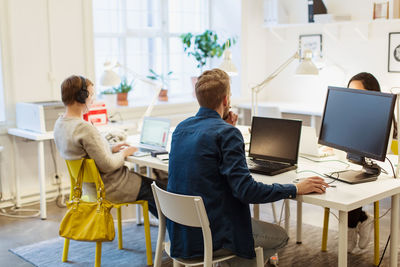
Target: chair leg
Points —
{"points": [[325, 230], [376, 233], [259, 257], [65, 250], [97, 262], [274, 212], [146, 224], [119, 221]]}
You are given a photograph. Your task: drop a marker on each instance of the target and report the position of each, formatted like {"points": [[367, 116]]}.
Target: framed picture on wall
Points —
{"points": [[394, 52], [311, 42]]}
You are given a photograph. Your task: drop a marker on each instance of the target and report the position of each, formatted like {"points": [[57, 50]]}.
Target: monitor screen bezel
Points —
{"points": [[382, 155], [286, 160]]}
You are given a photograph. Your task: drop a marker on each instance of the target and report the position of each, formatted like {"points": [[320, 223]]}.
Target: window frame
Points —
{"points": [[163, 32]]}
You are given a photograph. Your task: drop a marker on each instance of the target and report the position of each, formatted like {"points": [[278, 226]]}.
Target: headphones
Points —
{"points": [[82, 93]]}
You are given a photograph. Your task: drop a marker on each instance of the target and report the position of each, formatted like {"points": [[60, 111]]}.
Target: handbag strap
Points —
{"points": [[97, 180]]}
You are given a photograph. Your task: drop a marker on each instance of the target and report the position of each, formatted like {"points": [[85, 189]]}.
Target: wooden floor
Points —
{"points": [[17, 232]]}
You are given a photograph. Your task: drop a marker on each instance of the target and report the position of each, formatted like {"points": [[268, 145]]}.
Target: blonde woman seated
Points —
{"points": [[76, 138]]}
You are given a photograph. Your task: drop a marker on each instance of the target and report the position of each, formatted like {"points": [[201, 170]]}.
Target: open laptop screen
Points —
{"points": [[155, 131], [275, 139]]}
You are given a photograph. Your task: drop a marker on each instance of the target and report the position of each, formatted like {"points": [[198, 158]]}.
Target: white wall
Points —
{"points": [[43, 42], [263, 52]]}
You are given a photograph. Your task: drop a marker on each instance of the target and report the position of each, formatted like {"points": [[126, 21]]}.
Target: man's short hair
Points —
{"points": [[211, 88], [70, 87]]}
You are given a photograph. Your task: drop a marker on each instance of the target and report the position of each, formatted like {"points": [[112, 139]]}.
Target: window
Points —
{"points": [[144, 34]]}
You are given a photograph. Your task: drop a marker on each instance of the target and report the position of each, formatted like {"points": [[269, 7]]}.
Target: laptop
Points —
{"points": [[309, 144], [274, 145], [154, 135]]}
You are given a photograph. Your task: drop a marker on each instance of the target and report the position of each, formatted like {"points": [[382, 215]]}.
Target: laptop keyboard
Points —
{"points": [[266, 164], [268, 167], [142, 149]]}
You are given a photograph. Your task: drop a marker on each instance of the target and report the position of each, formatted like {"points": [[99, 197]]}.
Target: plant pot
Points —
{"points": [[163, 95], [122, 99], [110, 100]]}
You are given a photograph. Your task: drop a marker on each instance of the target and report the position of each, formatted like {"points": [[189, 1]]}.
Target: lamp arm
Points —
{"points": [[136, 75], [256, 89], [149, 109]]}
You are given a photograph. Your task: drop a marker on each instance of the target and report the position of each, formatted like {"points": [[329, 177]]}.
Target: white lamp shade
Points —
{"points": [[110, 78], [227, 64], [306, 66]]}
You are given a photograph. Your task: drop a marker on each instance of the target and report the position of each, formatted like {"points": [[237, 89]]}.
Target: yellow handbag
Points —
{"points": [[88, 221]]}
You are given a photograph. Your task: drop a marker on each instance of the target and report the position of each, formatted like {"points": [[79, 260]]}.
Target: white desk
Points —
{"points": [[292, 108], [343, 197], [40, 138]]}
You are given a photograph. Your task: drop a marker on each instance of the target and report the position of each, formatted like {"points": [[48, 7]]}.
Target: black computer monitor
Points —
{"points": [[358, 122]]}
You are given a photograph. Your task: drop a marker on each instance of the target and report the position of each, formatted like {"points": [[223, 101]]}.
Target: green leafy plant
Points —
{"points": [[123, 87], [162, 78], [110, 91], [204, 46]]}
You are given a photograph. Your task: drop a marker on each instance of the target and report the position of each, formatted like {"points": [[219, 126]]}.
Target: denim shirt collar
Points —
{"points": [[207, 112]]}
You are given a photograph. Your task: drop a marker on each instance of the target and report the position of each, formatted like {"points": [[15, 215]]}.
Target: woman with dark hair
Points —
{"points": [[360, 223]]}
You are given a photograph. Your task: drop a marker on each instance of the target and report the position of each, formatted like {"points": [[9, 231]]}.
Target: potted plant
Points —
{"points": [[110, 97], [122, 92], [204, 46], [164, 80]]}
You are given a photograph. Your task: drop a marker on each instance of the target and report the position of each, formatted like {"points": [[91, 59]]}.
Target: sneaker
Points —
{"points": [[365, 230], [273, 260], [351, 239]]}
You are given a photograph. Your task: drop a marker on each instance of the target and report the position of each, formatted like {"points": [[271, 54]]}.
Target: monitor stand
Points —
{"points": [[369, 172], [354, 177]]}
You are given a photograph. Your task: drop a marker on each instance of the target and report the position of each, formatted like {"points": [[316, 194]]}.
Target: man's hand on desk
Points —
{"points": [[311, 185]]}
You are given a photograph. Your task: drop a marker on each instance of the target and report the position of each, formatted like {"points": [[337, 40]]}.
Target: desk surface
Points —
{"points": [[36, 136], [288, 107], [343, 197]]}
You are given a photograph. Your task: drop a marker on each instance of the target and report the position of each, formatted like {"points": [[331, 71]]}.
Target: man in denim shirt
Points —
{"points": [[207, 159]]}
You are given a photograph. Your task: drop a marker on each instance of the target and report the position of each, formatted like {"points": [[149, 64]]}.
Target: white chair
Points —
{"points": [[189, 211]]}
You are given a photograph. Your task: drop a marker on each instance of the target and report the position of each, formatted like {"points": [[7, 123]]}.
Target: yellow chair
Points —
{"points": [[90, 171], [376, 232], [394, 146]]}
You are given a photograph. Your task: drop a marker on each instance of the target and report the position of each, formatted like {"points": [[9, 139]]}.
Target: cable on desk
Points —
{"points": [[319, 174], [328, 160], [391, 165]]}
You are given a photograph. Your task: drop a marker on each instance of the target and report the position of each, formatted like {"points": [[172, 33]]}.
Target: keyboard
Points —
{"points": [[142, 149], [268, 167]]}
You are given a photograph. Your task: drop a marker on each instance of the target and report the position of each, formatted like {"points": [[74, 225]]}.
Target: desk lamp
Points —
{"points": [[227, 64], [110, 78], [306, 67]]}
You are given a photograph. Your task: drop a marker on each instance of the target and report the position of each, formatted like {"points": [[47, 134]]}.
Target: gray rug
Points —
{"points": [[48, 253]]}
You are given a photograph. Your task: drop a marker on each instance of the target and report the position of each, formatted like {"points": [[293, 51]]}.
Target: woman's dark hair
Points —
{"points": [[368, 80], [370, 83]]}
